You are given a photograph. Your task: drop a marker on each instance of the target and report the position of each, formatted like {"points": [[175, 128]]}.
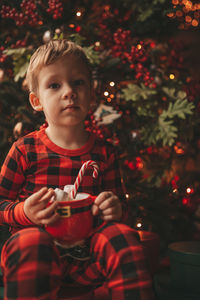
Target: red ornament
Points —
{"points": [[130, 164], [92, 126], [185, 201], [78, 29], [139, 163], [55, 8], [28, 8], [174, 182]]}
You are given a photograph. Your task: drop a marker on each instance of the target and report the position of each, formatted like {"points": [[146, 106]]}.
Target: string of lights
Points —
{"points": [[186, 12]]}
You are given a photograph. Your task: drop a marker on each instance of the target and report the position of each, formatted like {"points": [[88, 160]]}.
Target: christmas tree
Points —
{"points": [[146, 95]]}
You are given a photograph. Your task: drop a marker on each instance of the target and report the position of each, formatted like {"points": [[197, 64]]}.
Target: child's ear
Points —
{"points": [[35, 102]]}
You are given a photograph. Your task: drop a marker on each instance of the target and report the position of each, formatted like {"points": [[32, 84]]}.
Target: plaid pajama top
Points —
{"points": [[34, 161]]}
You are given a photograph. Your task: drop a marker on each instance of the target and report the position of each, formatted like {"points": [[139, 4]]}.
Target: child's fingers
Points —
{"points": [[102, 197], [109, 202], [32, 205], [51, 220], [106, 203], [42, 202], [47, 212], [109, 218], [108, 211], [47, 196], [34, 198], [112, 213], [95, 210]]}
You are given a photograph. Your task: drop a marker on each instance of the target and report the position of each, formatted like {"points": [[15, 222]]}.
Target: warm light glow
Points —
{"points": [[127, 196], [175, 190], [188, 19], [172, 76], [139, 225], [134, 134], [139, 165], [97, 44], [189, 190], [188, 4], [195, 23], [112, 83], [139, 46], [109, 99], [112, 96], [71, 25], [170, 15], [78, 13], [107, 7], [178, 150], [106, 93], [188, 14]]}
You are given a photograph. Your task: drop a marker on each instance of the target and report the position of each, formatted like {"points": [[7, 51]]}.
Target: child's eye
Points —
{"points": [[79, 82], [54, 85]]}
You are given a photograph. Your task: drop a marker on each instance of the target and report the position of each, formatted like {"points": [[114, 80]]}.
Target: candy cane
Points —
{"points": [[79, 178]]}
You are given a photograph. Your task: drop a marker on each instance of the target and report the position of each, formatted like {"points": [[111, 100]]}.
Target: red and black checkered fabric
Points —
{"points": [[34, 162], [32, 265], [33, 268]]}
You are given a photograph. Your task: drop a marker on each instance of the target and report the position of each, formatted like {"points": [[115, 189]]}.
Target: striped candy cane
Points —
{"points": [[79, 178]]}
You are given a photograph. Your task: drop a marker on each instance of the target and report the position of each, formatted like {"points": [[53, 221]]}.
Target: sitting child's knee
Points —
{"points": [[116, 233], [26, 239], [112, 228]]}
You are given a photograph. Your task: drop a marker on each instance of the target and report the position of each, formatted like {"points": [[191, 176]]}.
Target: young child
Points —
{"points": [[34, 267]]}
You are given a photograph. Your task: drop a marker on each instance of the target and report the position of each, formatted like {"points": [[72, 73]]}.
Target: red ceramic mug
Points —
{"points": [[76, 220]]}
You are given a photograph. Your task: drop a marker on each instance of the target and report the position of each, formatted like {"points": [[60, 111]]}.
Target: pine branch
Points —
{"points": [[92, 55], [20, 58], [135, 92], [167, 132], [180, 108]]}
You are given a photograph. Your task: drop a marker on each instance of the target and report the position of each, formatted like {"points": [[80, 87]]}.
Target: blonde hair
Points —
{"points": [[48, 54]]}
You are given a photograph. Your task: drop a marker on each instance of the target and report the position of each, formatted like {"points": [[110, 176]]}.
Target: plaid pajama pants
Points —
{"points": [[33, 269]]}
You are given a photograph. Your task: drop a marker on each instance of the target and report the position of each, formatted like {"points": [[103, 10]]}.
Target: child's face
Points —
{"points": [[64, 92]]}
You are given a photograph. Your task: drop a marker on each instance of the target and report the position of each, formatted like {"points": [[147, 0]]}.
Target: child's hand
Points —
{"points": [[108, 205], [35, 207]]}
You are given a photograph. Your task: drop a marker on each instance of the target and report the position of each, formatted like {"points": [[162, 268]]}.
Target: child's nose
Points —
{"points": [[68, 92]]}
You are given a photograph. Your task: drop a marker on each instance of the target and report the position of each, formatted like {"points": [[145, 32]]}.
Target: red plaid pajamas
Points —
{"points": [[32, 266]]}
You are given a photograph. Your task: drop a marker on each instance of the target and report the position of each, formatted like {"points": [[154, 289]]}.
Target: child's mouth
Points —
{"points": [[71, 107]]}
